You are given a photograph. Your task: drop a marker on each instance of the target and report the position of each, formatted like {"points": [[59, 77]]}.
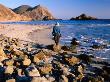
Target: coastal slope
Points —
{"points": [[7, 14], [35, 13]]}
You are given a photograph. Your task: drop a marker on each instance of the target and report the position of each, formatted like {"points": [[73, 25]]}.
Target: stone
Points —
{"points": [[63, 79], [40, 55], [19, 72], [9, 70], [26, 62], [39, 79], [8, 62], [11, 80], [36, 60], [46, 69], [32, 71], [17, 52], [65, 70], [56, 48], [87, 59], [72, 61], [80, 69], [2, 54], [51, 79]]}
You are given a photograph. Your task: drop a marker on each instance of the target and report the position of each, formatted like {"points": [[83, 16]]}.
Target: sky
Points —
{"points": [[65, 9]]}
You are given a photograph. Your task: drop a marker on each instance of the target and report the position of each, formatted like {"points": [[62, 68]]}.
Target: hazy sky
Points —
{"points": [[67, 8]]}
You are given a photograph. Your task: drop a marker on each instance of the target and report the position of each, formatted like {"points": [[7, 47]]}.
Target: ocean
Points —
{"points": [[87, 33]]}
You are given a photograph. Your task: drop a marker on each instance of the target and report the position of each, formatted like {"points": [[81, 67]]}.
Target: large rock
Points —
{"points": [[26, 62], [8, 62], [46, 69], [83, 17], [11, 80], [63, 79], [2, 54], [39, 79], [41, 55], [56, 48], [9, 70], [72, 61], [32, 71]]}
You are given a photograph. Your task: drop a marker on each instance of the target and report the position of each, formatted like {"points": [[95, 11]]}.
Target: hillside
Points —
{"points": [[35, 13], [7, 14], [22, 9]]}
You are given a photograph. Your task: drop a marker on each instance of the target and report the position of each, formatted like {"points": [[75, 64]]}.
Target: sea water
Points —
{"points": [[86, 31]]}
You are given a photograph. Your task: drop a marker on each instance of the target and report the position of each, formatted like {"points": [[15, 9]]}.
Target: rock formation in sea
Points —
{"points": [[35, 13], [83, 17], [8, 14]]}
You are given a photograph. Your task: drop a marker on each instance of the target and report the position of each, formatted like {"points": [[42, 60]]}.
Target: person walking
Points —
{"points": [[56, 33]]}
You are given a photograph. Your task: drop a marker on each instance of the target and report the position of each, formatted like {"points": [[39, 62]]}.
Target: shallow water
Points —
{"points": [[86, 31]]}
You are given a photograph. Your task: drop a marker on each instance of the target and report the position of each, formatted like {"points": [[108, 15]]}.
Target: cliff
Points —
{"points": [[7, 14], [35, 13]]}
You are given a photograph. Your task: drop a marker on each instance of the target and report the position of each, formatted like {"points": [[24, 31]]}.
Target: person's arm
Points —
{"points": [[53, 32]]}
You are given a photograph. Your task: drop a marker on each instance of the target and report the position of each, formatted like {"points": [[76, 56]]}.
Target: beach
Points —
{"points": [[34, 33], [28, 54]]}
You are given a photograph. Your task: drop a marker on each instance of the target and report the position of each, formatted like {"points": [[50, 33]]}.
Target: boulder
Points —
{"points": [[8, 62], [9, 70], [26, 62], [41, 55], [2, 54], [72, 61], [32, 71], [63, 79], [39, 79], [11, 80], [46, 69], [56, 48]]}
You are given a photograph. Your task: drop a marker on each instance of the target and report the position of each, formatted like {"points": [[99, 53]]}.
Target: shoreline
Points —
{"points": [[28, 32], [26, 59]]}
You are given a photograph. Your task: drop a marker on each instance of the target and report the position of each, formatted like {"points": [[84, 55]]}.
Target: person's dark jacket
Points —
{"points": [[56, 31]]}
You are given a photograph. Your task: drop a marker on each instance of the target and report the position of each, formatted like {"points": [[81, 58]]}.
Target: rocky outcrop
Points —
{"points": [[22, 9], [8, 14], [24, 12], [33, 64], [83, 17], [35, 13]]}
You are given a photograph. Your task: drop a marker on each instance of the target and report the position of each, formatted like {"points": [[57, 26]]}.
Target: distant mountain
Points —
{"points": [[35, 13], [84, 17], [8, 14]]}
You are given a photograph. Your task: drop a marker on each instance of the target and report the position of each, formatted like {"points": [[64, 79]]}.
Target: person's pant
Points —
{"points": [[56, 39]]}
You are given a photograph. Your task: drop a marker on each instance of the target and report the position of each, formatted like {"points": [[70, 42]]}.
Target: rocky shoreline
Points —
{"points": [[22, 61]]}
